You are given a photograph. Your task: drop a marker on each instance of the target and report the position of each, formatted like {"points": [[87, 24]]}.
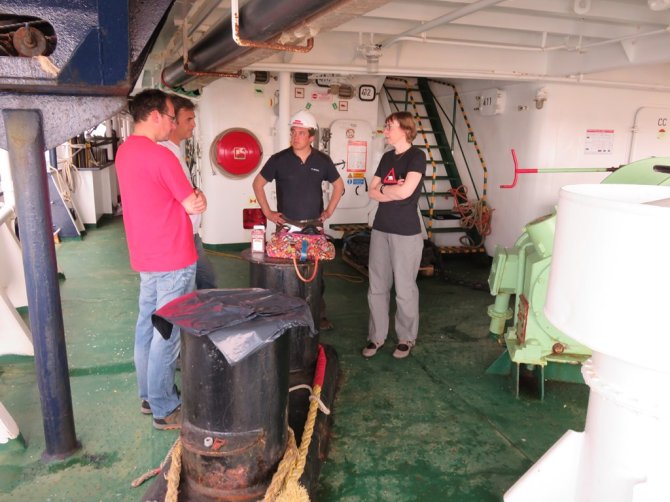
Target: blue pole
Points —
{"points": [[25, 144]]}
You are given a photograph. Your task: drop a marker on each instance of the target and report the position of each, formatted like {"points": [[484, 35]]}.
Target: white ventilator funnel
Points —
{"points": [[608, 289]]}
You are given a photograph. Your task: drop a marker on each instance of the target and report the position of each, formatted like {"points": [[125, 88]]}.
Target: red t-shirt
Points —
{"points": [[153, 185]]}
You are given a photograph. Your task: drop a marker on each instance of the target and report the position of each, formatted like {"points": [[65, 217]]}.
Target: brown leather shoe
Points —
{"points": [[172, 421]]}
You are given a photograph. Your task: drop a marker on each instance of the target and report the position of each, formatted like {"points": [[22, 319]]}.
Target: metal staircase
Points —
{"points": [[453, 223]]}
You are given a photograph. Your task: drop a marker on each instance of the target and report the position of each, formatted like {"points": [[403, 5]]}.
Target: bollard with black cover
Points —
{"points": [[235, 372], [282, 275]]}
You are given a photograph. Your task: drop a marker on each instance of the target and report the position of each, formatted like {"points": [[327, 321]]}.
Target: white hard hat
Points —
{"points": [[303, 119]]}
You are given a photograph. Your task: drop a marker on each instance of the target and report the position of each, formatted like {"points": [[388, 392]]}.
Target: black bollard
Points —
{"points": [[279, 275], [234, 420]]}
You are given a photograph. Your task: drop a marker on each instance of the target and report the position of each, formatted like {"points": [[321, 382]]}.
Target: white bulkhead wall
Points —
{"points": [[551, 137], [239, 103]]}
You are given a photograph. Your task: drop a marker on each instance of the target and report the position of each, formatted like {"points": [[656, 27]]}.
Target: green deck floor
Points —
{"points": [[432, 427]]}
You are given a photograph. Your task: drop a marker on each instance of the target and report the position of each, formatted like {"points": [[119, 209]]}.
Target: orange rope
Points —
{"points": [[473, 215]]}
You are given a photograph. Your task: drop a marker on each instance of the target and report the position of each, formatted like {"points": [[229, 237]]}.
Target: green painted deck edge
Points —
{"points": [[235, 247], [12, 358]]}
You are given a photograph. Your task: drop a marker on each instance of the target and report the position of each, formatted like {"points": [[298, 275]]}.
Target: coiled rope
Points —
{"points": [[475, 215]]}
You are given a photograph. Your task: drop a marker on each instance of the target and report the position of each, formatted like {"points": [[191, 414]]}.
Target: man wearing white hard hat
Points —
{"points": [[298, 172]]}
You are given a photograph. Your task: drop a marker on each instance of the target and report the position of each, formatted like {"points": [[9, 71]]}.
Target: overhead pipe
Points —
{"points": [[482, 4], [447, 18], [235, 24], [261, 20], [215, 74], [510, 76]]}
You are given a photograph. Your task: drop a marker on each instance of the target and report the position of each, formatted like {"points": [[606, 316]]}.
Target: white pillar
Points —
{"points": [[283, 130]]}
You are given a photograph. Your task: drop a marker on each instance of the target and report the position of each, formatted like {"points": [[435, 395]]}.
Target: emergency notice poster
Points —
{"points": [[599, 141], [357, 155]]}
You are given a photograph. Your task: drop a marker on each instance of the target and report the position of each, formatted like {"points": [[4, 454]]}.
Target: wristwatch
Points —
{"points": [[381, 188]]}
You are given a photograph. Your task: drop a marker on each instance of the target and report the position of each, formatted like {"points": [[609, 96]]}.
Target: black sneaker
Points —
{"points": [[172, 421], [144, 407]]}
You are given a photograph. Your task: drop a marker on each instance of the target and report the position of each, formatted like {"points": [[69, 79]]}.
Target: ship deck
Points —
{"points": [[430, 427]]}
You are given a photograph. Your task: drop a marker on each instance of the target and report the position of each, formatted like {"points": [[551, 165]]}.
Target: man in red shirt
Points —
{"points": [[157, 200]]}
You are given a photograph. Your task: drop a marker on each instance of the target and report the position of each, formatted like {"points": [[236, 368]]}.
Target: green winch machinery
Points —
{"points": [[521, 272]]}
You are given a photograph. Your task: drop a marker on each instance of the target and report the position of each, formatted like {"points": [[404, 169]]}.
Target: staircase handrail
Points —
{"points": [[457, 99]]}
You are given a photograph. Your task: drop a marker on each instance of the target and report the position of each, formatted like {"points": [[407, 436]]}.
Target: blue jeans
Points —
{"points": [[155, 357], [205, 278]]}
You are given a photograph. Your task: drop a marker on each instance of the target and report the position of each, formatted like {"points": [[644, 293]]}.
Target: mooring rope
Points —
{"points": [[284, 486], [154, 472], [291, 490], [285, 466], [174, 474]]}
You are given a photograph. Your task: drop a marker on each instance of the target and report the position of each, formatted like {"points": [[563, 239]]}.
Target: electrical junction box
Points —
{"points": [[492, 102]]}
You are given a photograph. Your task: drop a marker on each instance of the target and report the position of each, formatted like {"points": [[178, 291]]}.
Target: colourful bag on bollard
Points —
{"points": [[308, 244]]}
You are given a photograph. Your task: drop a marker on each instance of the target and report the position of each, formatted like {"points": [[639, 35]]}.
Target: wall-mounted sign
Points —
{"points": [[357, 155], [599, 141], [492, 102], [367, 92]]}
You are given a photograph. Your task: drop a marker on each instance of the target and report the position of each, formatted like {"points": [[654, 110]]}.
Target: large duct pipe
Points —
{"points": [[260, 20]]}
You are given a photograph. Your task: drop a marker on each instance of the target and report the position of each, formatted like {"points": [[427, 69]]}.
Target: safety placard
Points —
{"points": [[351, 150], [599, 141], [357, 156]]}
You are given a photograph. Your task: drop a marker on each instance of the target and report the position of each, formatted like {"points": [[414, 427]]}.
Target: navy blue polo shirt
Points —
{"points": [[299, 194]]}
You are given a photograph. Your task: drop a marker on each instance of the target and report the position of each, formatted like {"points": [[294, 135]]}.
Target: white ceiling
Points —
{"points": [[621, 42]]}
